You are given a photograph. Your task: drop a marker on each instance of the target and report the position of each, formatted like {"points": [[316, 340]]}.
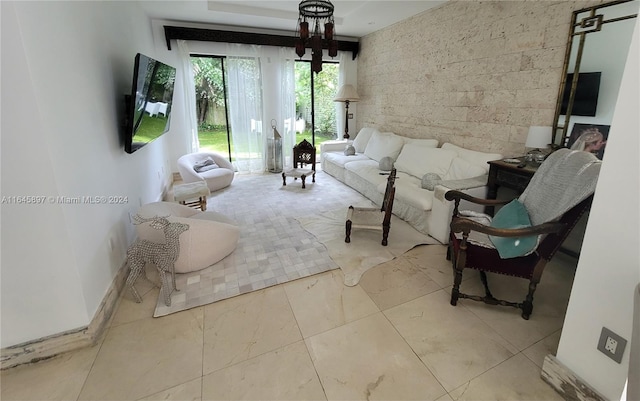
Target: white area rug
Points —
{"points": [[274, 248], [365, 249]]}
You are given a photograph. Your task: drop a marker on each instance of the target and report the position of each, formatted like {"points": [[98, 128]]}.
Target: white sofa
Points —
{"points": [[426, 210], [210, 238]]}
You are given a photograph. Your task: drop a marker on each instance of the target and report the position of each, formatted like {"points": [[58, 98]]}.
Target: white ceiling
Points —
{"points": [[353, 18]]}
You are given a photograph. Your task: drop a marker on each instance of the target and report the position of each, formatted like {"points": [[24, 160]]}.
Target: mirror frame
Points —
{"points": [[593, 23]]}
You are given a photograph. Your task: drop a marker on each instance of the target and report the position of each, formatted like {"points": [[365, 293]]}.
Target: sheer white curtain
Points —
{"points": [[189, 95], [340, 106], [245, 108], [287, 102]]}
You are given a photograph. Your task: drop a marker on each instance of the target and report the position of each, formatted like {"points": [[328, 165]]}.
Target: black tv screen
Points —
{"points": [[585, 101], [149, 105]]}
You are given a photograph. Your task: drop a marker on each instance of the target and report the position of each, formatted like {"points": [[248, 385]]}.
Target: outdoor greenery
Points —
{"points": [[210, 103]]}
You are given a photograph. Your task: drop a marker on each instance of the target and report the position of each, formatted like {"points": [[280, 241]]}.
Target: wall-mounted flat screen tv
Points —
{"points": [[149, 104], [585, 100]]}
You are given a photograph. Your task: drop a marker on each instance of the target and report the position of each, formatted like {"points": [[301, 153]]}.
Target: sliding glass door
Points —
{"points": [[315, 108]]}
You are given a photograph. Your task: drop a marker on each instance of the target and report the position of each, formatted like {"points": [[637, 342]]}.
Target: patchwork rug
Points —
{"points": [[286, 233]]}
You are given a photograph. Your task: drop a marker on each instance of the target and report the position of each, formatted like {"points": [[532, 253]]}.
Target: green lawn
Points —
{"points": [[216, 140]]}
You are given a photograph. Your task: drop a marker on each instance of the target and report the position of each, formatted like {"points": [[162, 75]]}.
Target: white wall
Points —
{"points": [[609, 265], [66, 67]]}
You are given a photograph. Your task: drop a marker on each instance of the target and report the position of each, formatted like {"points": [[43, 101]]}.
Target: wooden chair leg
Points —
{"points": [[303, 179], [347, 237], [527, 305], [284, 179], [385, 234]]}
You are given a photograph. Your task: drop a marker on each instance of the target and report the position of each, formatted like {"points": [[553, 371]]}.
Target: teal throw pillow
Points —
{"points": [[512, 215]]}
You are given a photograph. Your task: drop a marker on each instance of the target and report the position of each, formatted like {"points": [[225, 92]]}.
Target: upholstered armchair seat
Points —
{"points": [[216, 178]]}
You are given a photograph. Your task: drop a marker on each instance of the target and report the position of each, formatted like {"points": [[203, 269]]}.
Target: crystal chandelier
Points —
{"points": [[319, 15]]}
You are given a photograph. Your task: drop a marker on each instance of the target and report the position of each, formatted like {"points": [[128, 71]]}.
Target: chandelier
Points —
{"points": [[317, 14]]}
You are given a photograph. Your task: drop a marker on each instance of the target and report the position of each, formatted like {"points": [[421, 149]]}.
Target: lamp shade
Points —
{"points": [[347, 93], [538, 137]]}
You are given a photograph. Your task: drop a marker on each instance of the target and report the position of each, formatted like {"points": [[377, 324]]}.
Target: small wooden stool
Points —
{"points": [[186, 194]]}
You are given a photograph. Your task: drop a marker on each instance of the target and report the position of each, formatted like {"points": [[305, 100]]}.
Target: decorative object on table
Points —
{"points": [[162, 255], [430, 180], [193, 194], [304, 163], [589, 138], [538, 138], [371, 218], [385, 164], [349, 150], [216, 178], [346, 95], [274, 150], [318, 13], [559, 193]]}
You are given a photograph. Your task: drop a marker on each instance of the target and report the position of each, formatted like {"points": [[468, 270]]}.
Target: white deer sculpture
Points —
{"points": [[163, 255]]}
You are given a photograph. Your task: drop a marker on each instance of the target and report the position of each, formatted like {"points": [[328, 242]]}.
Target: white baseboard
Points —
{"points": [[566, 383], [50, 346]]}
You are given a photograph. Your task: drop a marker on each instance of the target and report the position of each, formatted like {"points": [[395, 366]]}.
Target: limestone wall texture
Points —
{"points": [[476, 74]]}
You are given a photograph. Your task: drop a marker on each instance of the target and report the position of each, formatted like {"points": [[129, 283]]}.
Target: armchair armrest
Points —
{"points": [[334, 146], [464, 225], [442, 208], [458, 195]]}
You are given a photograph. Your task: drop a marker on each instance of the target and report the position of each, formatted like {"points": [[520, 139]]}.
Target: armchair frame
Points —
{"points": [[468, 255]]}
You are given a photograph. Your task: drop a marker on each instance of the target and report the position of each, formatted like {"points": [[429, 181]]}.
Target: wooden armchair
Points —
{"points": [[554, 206], [373, 218]]}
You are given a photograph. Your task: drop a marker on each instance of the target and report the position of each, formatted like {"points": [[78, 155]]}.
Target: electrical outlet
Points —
{"points": [[611, 344], [350, 116]]}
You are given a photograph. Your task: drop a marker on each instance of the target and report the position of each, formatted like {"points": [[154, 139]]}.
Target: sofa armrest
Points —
{"points": [[442, 209], [334, 146]]}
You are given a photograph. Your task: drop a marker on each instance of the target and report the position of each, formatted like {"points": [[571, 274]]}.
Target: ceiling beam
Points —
{"points": [[213, 35]]}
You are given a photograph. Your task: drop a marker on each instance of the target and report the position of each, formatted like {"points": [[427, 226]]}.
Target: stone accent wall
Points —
{"points": [[476, 74]]}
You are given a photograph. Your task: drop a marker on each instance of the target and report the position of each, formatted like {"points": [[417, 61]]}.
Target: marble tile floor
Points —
{"points": [[394, 336]]}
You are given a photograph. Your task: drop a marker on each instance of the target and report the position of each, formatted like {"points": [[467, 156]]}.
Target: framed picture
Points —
{"points": [[590, 138]]}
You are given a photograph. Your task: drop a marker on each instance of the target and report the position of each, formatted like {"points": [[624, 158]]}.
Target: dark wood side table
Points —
{"points": [[507, 175]]}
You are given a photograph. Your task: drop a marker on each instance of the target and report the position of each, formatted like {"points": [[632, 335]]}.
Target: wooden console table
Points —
{"points": [[509, 175]]}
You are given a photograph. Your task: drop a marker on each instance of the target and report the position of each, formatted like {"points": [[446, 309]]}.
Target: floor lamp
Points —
{"points": [[346, 94]]}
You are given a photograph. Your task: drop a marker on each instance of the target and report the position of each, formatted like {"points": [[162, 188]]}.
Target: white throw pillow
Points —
{"points": [[381, 145], [461, 169], [419, 160], [362, 138]]}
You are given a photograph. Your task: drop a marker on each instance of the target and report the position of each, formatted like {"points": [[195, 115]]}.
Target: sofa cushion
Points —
{"points": [[340, 159], [381, 145], [461, 169], [409, 191], [478, 158], [362, 138], [430, 143], [419, 160]]}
